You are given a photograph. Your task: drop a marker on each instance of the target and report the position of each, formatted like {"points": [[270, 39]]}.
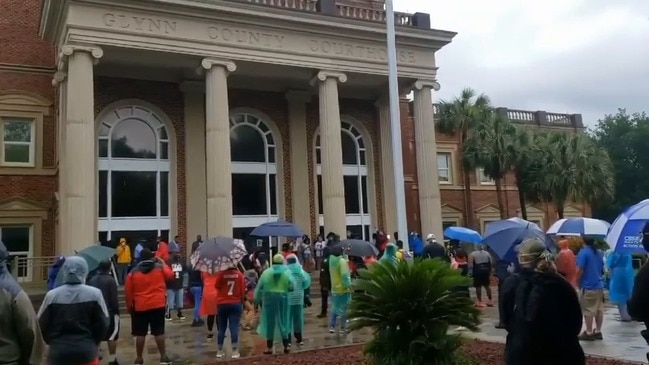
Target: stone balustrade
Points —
{"points": [[539, 117], [332, 7]]}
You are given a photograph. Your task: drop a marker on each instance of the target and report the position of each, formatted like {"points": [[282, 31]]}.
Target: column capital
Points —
{"points": [[298, 96], [58, 78], [192, 87], [325, 74], [69, 49], [208, 63], [420, 84]]}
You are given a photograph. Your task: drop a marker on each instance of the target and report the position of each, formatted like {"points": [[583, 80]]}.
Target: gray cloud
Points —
{"points": [[592, 80]]}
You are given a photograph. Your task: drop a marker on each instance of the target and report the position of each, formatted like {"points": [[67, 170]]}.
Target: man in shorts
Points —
{"points": [[590, 269], [480, 266], [146, 302], [105, 282]]}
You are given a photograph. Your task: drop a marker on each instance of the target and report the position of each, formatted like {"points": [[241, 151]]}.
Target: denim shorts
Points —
{"points": [[175, 299]]}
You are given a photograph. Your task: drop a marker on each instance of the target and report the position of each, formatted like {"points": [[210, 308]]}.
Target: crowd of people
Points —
{"points": [[544, 299]]}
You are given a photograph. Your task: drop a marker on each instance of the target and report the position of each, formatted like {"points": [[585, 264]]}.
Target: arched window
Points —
{"points": [[355, 174], [134, 168], [254, 173]]}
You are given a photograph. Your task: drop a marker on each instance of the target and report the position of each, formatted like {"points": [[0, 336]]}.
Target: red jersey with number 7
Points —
{"points": [[231, 287]]}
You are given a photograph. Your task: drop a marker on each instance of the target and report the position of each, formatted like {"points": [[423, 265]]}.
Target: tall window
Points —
{"points": [[18, 142], [19, 242], [444, 167], [484, 179], [254, 174], [355, 174], [133, 175]]}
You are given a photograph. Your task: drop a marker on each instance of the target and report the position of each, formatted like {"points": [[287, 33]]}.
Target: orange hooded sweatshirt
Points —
{"points": [[567, 263]]}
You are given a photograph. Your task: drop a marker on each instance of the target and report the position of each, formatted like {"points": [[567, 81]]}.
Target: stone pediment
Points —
{"points": [[22, 101], [21, 207], [450, 209], [488, 209], [571, 212], [534, 210]]}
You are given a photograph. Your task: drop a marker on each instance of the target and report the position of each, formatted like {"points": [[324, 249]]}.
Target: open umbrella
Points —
{"points": [[579, 227], [95, 255], [501, 236], [358, 248], [462, 234], [279, 228], [218, 254], [627, 231]]}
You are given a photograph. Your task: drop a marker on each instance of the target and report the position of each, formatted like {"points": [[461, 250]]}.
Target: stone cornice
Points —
{"points": [[326, 74]]}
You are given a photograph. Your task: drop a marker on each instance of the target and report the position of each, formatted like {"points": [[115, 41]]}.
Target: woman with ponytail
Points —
{"points": [[541, 312]]}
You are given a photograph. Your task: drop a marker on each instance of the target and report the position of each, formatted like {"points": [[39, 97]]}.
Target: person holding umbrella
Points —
{"points": [[272, 292]]}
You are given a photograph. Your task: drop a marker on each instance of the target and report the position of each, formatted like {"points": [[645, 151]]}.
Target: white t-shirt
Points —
{"points": [[319, 247]]}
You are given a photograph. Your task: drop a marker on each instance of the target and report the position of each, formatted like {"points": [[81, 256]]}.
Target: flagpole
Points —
{"points": [[395, 127]]}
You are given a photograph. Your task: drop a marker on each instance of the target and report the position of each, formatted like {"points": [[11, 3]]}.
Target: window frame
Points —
{"points": [[480, 175], [31, 226], [449, 167], [30, 118]]}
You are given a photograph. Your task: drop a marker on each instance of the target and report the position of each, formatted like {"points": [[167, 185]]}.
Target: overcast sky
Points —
{"points": [[565, 56]]}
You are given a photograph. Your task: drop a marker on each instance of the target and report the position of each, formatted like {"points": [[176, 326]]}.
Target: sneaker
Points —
{"points": [[196, 323], [598, 336], [138, 362], [182, 318], [210, 336], [235, 354], [460, 328], [219, 354], [114, 362], [587, 337], [165, 360], [479, 305], [168, 317], [332, 330]]}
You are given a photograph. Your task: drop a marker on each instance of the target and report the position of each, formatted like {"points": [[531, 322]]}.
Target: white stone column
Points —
{"points": [[217, 147], [430, 202], [333, 188], [300, 153], [79, 204], [195, 178], [387, 166]]}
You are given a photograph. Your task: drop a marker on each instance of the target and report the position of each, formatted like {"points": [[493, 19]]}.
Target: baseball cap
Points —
{"points": [[430, 236]]}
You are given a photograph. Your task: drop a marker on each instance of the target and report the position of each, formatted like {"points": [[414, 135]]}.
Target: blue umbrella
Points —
{"points": [[626, 232], [278, 229], [501, 236], [462, 234], [579, 227]]}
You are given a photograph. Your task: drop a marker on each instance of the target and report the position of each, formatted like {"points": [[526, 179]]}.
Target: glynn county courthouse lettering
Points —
{"points": [[255, 38]]}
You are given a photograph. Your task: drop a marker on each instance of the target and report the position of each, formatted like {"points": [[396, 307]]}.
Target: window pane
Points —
{"points": [[103, 194], [164, 194], [366, 232], [355, 232], [163, 133], [271, 154], [320, 201], [133, 194], [349, 149], [352, 203], [103, 148], [16, 239], [447, 224], [103, 238], [364, 194], [272, 189], [133, 238], [18, 131], [363, 162], [164, 151], [318, 156], [249, 194], [133, 138], [443, 167], [165, 235], [247, 144], [18, 153]]}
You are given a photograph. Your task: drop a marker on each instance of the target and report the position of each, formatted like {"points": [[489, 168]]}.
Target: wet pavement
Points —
{"points": [[189, 345]]}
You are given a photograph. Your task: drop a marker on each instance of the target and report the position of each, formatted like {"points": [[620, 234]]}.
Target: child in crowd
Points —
{"points": [[249, 309]]}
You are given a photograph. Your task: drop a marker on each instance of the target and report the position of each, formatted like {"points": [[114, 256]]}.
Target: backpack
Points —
{"points": [[533, 313]]}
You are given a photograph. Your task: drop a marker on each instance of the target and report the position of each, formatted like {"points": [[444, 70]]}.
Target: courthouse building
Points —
{"points": [[139, 118]]}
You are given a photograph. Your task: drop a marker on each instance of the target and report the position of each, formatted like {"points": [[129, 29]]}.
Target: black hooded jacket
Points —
{"points": [[543, 320], [639, 302]]}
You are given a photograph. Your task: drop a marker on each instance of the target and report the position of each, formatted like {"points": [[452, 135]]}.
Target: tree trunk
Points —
{"points": [[559, 210], [499, 196], [521, 201], [469, 216]]}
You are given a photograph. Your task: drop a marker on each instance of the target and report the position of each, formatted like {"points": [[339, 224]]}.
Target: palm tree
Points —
{"points": [[459, 117], [569, 167], [492, 146], [523, 158]]}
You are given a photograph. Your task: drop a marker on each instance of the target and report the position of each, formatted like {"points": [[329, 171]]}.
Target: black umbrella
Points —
{"points": [[358, 248], [218, 254]]}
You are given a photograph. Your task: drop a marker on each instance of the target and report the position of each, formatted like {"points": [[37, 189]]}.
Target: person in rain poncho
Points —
{"points": [[341, 282], [272, 292], [621, 269], [390, 254], [73, 317], [302, 281]]}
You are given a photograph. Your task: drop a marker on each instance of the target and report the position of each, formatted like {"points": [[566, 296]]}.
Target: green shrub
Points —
{"points": [[410, 307]]}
